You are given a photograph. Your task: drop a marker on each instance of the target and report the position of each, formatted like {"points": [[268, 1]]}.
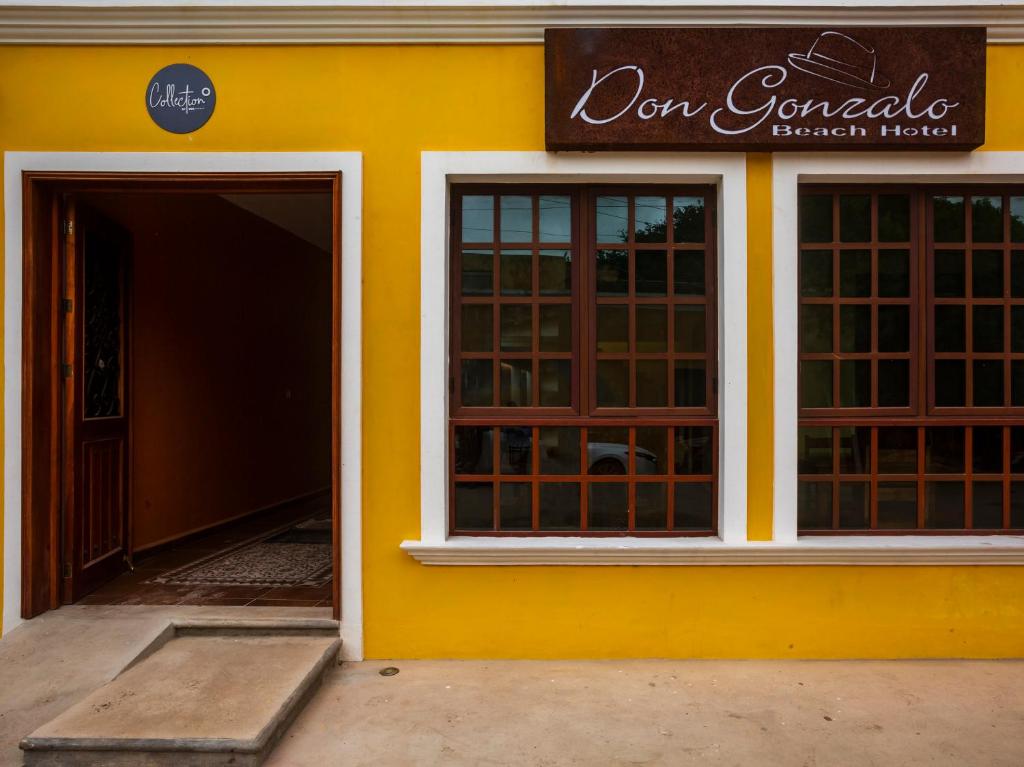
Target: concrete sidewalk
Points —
{"points": [[756, 713]]}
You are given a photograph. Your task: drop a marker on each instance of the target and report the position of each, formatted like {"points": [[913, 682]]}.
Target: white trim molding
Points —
{"points": [[350, 165], [727, 171], [788, 172], [859, 550], [173, 22]]}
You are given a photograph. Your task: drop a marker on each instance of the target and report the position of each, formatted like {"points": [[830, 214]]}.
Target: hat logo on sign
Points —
{"points": [[841, 59]]}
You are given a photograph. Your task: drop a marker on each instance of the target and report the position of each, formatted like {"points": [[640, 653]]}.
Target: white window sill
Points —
{"points": [[811, 550]]}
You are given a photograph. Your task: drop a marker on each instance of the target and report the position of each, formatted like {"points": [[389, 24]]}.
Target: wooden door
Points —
{"points": [[95, 472]]}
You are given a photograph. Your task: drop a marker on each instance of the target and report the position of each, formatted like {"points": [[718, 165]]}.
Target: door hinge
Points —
{"points": [[66, 305], [67, 569], [68, 227], [66, 370]]}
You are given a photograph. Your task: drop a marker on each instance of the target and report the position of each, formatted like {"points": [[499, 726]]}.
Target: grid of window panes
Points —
{"points": [[939, 447], [857, 295], [652, 334], [583, 361], [977, 301], [599, 479], [515, 333]]}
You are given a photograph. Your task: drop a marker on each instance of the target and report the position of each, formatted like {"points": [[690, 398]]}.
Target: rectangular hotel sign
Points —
{"points": [[770, 89]]}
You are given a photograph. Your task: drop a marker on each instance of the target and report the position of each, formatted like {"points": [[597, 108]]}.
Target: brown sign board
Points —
{"points": [[765, 89]]}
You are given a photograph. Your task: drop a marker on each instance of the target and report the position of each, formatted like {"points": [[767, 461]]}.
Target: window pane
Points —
{"points": [[516, 273], [690, 383], [559, 450], [612, 328], [516, 327], [693, 507], [694, 450], [987, 449], [649, 213], [516, 383], [897, 505], [988, 383], [559, 506], [651, 506], [987, 328], [987, 274], [477, 383], [556, 327], [688, 272], [1017, 505], [944, 505], [894, 273], [894, 218], [950, 328], [894, 328], [816, 328], [477, 272], [950, 383], [613, 383], [814, 505], [814, 450], [854, 273], [1017, 383], [473, 453], [897, 450], [1017, 219], [608, 506], [815, 218], [950, 277], [815, 273], [651, 455], [612, 272], [474, 506], [948, 223], [893, 383], [555, 383], [612, 219], [477, 218], [815, 383], [651, 273], [855, 383], [988, 505], [652, 383], [1017, 328], [477, 327], [688, 219], [555, 272], [607, 450], [555, 218], [652, 328], [855, 217], [690, 331], [854, 509], [516, 218], [944, 450], [987, 219], [855, 450], [516, 450], [855, 328], [516, 509]]}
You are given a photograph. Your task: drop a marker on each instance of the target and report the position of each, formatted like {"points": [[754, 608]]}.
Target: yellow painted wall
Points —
{"points": [[390, 103]]}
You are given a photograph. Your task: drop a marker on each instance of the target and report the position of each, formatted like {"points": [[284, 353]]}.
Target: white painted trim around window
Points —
{"points": [[194, 22], [788, 171], [350, 165], [438, 170]]}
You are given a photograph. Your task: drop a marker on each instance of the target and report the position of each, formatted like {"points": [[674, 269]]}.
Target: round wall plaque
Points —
{"points": [[180, 98]]}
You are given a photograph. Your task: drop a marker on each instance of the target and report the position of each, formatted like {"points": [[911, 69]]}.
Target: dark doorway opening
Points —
{"points": [[182, 367]]}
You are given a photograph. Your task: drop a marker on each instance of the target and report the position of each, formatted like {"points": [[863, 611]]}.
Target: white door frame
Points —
{"points": [[350, 166]]}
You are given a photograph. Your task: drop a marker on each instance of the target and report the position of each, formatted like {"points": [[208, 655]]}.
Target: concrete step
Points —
{"points": [[203, 694]]}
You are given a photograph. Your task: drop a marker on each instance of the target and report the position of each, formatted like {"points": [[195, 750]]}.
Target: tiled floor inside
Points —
{"points": [[133, 588]]}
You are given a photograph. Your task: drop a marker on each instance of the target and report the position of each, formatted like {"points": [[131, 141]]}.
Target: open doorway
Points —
{"points": [[184, 332]]}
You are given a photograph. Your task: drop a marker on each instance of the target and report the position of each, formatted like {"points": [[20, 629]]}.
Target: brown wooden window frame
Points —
{"points": [[584, 413], [1000, 477]]}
